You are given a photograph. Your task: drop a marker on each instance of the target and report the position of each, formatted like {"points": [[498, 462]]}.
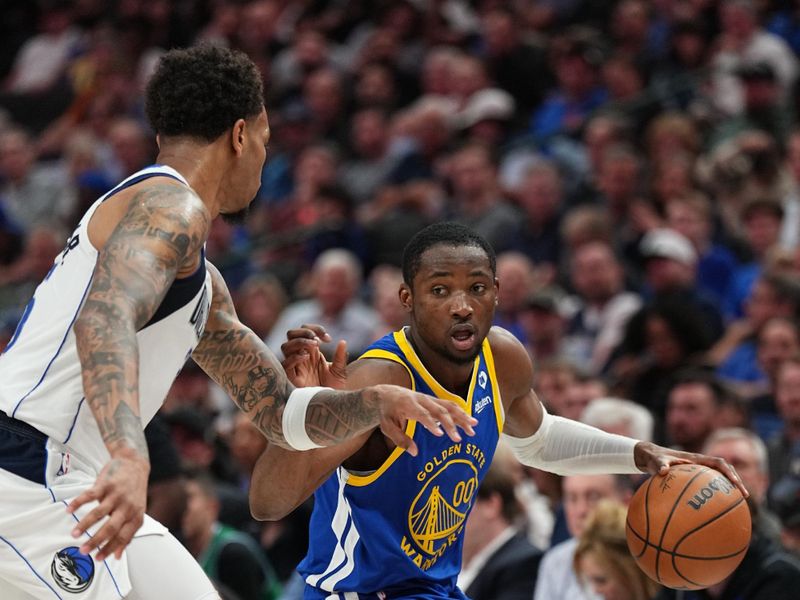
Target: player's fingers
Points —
{"points": [[339, 363], [726, 469], [292, 361], [399, 437], [91, 518], [299, 346], [303, 331], [460, 418], [89, 495], [102, 537], [664, 462], [117, 545], [423, 416], [446, 422], [318, 330]]}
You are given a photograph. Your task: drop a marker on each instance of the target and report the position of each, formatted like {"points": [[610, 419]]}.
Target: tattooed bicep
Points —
{"points": [[162, 231]]}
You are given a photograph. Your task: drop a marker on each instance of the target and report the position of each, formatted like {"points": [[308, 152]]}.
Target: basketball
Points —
{"points": [[688, 529]]}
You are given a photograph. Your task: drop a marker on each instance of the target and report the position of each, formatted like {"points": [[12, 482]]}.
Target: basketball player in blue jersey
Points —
{"points": [[387, 524], [127, 302]]}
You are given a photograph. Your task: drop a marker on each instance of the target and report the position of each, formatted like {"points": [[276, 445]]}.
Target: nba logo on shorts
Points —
{"points": [[72, 570]]}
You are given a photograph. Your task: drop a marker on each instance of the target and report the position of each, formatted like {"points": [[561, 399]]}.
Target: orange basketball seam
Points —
{"points": [[698, 528], [646, 517], [689, 556], [669, 518]]}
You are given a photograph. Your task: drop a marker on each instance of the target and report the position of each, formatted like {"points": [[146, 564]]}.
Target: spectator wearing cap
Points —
{"points": [[671, 272], [743, 41], [691, 215], [576, 62], [764, 106], [604, 306], [486, 117]]}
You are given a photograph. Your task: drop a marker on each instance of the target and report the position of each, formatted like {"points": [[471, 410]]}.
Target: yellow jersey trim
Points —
{"points": [[362, 480], [436, 387], [386, 355], [499, 412]]}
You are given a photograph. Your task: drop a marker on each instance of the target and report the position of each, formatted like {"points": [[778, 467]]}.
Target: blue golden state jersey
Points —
{"points": [[398, 531]]}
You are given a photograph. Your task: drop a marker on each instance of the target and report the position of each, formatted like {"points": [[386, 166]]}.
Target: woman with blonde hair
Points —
{"points": [[602, 558]]}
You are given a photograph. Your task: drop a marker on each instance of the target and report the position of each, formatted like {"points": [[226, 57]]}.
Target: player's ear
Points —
{"points": [[237, 136], [405, 297], [496, 290]]}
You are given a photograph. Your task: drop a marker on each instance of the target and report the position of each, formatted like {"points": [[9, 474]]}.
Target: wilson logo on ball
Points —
{"points": [[718, 484]]}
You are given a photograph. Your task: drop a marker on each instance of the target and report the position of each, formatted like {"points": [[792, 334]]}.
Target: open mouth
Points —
{"points": [[463, 337]]}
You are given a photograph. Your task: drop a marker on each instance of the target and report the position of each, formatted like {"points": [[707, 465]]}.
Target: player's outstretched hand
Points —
{"points": [[399, 405], [657, 460], [121, 493], [304, 363]]}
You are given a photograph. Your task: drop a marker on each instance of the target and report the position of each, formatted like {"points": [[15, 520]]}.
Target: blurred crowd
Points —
{"points": [[634, 163]]}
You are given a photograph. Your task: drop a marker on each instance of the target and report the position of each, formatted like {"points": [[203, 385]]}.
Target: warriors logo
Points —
{"points": [[72, 570], [440, 508]]}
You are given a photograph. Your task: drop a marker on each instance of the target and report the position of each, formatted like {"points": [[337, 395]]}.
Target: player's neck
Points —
{"points": [[198, 165], [451, 375]]}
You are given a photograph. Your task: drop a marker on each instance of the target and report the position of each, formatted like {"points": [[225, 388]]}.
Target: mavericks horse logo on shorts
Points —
{"points": [[72, 570]]}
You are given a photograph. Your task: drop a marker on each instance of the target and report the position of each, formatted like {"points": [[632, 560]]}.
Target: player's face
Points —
{"points": [[246, 178], [452, 302]]}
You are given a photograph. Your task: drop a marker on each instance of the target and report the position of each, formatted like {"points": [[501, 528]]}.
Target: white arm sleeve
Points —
{"points": [[566, 447]]}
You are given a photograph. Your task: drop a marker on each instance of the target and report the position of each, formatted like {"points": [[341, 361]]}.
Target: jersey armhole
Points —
{"points": [[411, 426]]}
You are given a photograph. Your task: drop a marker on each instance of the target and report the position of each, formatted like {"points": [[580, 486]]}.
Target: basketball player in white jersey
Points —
{"points": [[127, 302]]}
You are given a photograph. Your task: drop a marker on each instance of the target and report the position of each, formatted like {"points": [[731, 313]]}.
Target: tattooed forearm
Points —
{"points": [[332, 420], [239, 361], [161, 232]]}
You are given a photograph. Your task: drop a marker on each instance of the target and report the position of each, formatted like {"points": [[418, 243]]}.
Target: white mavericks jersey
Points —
{"points": [[40, 374]]}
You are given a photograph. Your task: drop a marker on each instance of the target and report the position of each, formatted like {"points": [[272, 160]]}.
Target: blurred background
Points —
{"points": [[635, 164]]}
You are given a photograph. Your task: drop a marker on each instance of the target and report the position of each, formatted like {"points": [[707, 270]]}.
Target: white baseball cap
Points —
{"points": [[668, 243], [490, 103]]}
